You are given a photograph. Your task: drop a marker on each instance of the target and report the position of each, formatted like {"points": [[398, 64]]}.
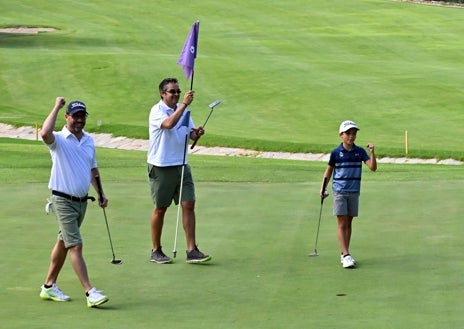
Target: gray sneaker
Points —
{"points": [[196, 256], [158, 256]]}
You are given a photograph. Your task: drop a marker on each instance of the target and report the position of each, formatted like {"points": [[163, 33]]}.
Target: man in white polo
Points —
{"points": [[74, 168], [169, 126]]}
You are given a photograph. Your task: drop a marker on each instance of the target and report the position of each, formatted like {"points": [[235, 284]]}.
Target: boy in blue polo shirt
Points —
{"points": [[345, 164]]}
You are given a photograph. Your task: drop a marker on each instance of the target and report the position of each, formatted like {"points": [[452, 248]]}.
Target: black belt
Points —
{"points": [[73, 198]]}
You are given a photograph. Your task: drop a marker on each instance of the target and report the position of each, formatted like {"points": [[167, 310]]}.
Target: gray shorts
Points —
{"points": [[70, 215], [165, 185], [345, 203]]}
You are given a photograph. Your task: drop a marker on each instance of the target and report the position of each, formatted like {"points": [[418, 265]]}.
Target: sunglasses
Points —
{"points": [[174, 91]]}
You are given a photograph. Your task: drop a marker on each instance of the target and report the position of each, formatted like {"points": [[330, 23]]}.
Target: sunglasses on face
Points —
{"points": [[174, 91]]}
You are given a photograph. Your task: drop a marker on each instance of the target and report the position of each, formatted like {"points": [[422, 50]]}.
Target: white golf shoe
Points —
{"points": [[348, 261]]}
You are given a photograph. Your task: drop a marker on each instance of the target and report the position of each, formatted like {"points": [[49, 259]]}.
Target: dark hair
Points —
{"points": [[165, 82]]}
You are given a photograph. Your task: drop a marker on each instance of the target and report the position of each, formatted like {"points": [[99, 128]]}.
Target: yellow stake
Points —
{"points": [[406, 142]]}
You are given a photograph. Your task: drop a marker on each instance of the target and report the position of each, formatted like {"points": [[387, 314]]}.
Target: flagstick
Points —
{"points": [[179, 205], [191, 81], [187, 61], [191, 88]]}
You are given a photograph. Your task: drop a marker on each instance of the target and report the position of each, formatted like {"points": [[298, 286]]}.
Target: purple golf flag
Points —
{"points": [[189, 52]]}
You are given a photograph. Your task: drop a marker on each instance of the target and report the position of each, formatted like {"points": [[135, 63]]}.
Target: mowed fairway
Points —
{"points": [[407, 242], [287, 72]]}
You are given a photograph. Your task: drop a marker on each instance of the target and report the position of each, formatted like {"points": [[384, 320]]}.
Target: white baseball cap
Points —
{"points": [[347, 125]]}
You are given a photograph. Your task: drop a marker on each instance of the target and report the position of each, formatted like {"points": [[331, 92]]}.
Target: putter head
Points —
{"points": [[116, 261], [174, 254], [314, 254], [213, 104]]}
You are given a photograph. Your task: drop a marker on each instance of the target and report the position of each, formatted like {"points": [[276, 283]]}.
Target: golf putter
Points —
{"points": [[326, 180], [100, 198], [211, 106]]}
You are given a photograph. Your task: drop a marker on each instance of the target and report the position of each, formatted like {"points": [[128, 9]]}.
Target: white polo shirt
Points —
{"points": [[72, 160], [166, 147]]}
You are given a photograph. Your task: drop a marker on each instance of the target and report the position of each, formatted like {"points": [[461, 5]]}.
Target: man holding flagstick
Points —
{"points": [[169, 126]]}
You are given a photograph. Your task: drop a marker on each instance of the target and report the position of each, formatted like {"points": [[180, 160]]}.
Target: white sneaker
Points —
{"points": [[53, 293], [348, 262], [95, 298], [341, 259]]}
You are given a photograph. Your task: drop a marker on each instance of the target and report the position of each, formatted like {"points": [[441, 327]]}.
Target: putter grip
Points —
{"points": [[100, 189], [194, 143], [324, 186]]}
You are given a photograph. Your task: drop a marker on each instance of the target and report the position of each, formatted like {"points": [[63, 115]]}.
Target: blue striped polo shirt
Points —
{"points": [[347, 168]]}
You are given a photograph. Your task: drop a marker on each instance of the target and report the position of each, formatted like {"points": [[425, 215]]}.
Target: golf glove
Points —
{"points": [[48, 207]]}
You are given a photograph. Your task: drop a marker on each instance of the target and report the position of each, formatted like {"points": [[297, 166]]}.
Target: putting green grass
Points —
{"points": [[259, 228], [259, 235]]}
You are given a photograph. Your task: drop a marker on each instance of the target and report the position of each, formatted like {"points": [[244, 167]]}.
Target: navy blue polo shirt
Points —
{"points": [[347, 168]]}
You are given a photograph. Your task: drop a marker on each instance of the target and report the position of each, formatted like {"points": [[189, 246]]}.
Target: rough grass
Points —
{"points": [[288, 72]]}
